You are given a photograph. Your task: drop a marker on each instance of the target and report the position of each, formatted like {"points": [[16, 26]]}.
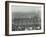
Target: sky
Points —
{"points": [[25, 9], [18, 10]]}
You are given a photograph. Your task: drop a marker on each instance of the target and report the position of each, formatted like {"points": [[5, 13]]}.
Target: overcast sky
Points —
{"points": [[25, 9]]}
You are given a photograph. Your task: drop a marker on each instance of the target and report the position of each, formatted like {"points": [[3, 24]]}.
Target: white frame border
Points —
{"points": [[24, 32]]}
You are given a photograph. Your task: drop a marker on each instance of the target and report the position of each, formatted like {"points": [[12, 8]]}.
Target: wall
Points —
{"points": [[2, 19]]}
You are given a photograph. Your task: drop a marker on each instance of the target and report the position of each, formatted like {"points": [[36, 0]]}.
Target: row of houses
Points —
{"points": [[20, 24]]}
